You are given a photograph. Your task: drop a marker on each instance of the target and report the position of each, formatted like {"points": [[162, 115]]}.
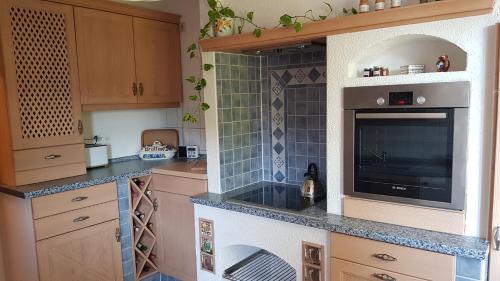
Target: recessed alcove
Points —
{"points": [[408, 49]]}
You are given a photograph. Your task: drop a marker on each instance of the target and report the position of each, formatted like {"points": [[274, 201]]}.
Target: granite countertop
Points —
{"points": [[117, 169], [317, 217]]}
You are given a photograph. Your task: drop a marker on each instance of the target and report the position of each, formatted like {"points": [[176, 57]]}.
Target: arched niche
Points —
{"points": [[408, 49]]}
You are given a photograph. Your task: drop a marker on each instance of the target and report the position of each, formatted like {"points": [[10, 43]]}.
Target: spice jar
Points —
{"points": [[395, 3], [377, 71], [364, 6], [367, 72], [379, 5]]}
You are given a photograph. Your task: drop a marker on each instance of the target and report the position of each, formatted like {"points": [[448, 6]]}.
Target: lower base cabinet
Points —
{"points": [[349, 271], [177, 235], [89, 254], [68, 236], [176, 224]]}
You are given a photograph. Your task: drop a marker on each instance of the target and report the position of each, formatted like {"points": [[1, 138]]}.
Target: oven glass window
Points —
{"points": [[405, 153]]}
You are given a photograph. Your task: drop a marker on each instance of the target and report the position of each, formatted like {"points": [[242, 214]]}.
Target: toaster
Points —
{"points": [[96, 155]]}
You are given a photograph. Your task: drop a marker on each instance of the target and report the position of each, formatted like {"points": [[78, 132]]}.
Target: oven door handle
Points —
{"points": [[423, 115]]}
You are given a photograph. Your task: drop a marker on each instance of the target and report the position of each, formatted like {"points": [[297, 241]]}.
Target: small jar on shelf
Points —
{"points": [[364, 6], [379, 5], [395, 3]]}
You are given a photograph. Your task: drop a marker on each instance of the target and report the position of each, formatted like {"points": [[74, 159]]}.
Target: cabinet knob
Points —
{"points": [[52, 156], [384, 277], [117, 234], [141, 89], [79, 199], [80, 219], [134, 89], [80, 127], [385, 257]]}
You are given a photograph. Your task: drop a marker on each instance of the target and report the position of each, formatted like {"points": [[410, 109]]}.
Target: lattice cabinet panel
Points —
{"points": [[143, 206], [40, 59]]}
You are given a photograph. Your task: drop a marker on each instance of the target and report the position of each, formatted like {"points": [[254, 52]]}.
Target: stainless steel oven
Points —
{"points": [[407, 143]]}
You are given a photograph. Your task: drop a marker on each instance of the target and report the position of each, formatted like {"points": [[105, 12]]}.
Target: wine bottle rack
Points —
{"points": [[143, 206]]}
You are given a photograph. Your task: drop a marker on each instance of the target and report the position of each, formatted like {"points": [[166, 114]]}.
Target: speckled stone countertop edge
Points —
{"points": [[479, 253], [79, 185]]}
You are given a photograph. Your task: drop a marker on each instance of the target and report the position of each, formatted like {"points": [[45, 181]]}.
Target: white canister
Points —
{"points": [[396, 3], [364, 8], [380, 5]]}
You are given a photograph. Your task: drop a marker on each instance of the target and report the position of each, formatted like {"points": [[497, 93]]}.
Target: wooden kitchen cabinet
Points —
{"points": [[106, 57], [73, 235], [158, 59], [40, 112], [176, 225], [358, 259], [92, 253], [349, 271], [176, 235], [127, 61]]}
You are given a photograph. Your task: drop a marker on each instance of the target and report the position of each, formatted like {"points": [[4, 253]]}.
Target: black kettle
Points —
{"points": [[312, 188]]}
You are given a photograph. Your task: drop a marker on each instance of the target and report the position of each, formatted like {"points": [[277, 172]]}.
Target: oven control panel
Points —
{"points": [[401, 98]]}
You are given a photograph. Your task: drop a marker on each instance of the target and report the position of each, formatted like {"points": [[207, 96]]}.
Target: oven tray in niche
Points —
{"points": [[261, 266]]}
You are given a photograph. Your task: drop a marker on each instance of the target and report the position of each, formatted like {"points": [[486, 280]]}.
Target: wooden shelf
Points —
{"points": [[140, 201], [447, 9]]}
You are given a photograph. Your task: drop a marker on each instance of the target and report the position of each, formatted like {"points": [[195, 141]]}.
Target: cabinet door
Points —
{"points": [[105, 56], [176, 236], [41, 73], [348, 271], [88, 254], [158, 61]]}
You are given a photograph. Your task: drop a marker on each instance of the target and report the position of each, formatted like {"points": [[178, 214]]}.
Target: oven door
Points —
{"points": [[411, 156]]}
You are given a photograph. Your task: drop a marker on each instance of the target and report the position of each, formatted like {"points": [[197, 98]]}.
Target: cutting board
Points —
{"points": [[165, 136]]}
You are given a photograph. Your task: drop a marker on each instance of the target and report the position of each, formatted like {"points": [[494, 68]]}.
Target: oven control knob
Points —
{"points": [[380, 101], [421, 100]]}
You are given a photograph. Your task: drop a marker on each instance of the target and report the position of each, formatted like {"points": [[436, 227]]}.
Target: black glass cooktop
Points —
{"points": [[278, 196]]}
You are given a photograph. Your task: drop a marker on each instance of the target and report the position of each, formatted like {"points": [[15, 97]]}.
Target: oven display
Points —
{"points": [[401, 98]]}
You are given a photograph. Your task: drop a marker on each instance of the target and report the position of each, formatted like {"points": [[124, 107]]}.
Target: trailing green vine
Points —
{"points": [[218, 11]]}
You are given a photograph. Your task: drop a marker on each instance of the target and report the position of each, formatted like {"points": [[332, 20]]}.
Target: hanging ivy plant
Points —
{"points": [[218, 11]]}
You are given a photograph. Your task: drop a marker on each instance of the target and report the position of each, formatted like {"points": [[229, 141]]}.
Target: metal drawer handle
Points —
{"points": [[385, 257], [52, 156], [80, 219], [79, 199], [384, 277]]}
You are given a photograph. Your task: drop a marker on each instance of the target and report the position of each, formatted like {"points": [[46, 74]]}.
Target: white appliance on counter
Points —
{"points": [[96, 155]]}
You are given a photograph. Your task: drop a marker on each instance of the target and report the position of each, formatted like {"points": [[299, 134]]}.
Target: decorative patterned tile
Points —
{"points": [[279, 176], [278, 104], [278, 133], [278, 148], [314, 75]]}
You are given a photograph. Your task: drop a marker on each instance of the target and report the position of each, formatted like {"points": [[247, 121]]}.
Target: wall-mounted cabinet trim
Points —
{"points": [[433, 11], [124, 9]]}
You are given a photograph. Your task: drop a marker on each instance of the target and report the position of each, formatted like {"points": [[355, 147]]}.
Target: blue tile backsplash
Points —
{"points": [[240, 122], [294, 119]]}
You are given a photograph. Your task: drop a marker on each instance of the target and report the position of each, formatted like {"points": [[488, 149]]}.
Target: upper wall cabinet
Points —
{"points": [[158, 60], [40, 65], [105, 56], [127, 62], [40, 112]]}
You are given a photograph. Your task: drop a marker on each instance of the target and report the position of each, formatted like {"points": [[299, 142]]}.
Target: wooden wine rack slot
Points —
{"points": [[143, 211]]}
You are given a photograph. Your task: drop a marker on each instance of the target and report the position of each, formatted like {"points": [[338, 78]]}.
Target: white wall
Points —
{"points": [[477, 37], [116, 126], [121, 130]]}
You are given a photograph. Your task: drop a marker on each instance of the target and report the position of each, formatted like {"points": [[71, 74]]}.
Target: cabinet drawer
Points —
{"points": [[408, 261], [74, 220], [348, 271], [179, 185], [31, 159], [68, 201]]}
